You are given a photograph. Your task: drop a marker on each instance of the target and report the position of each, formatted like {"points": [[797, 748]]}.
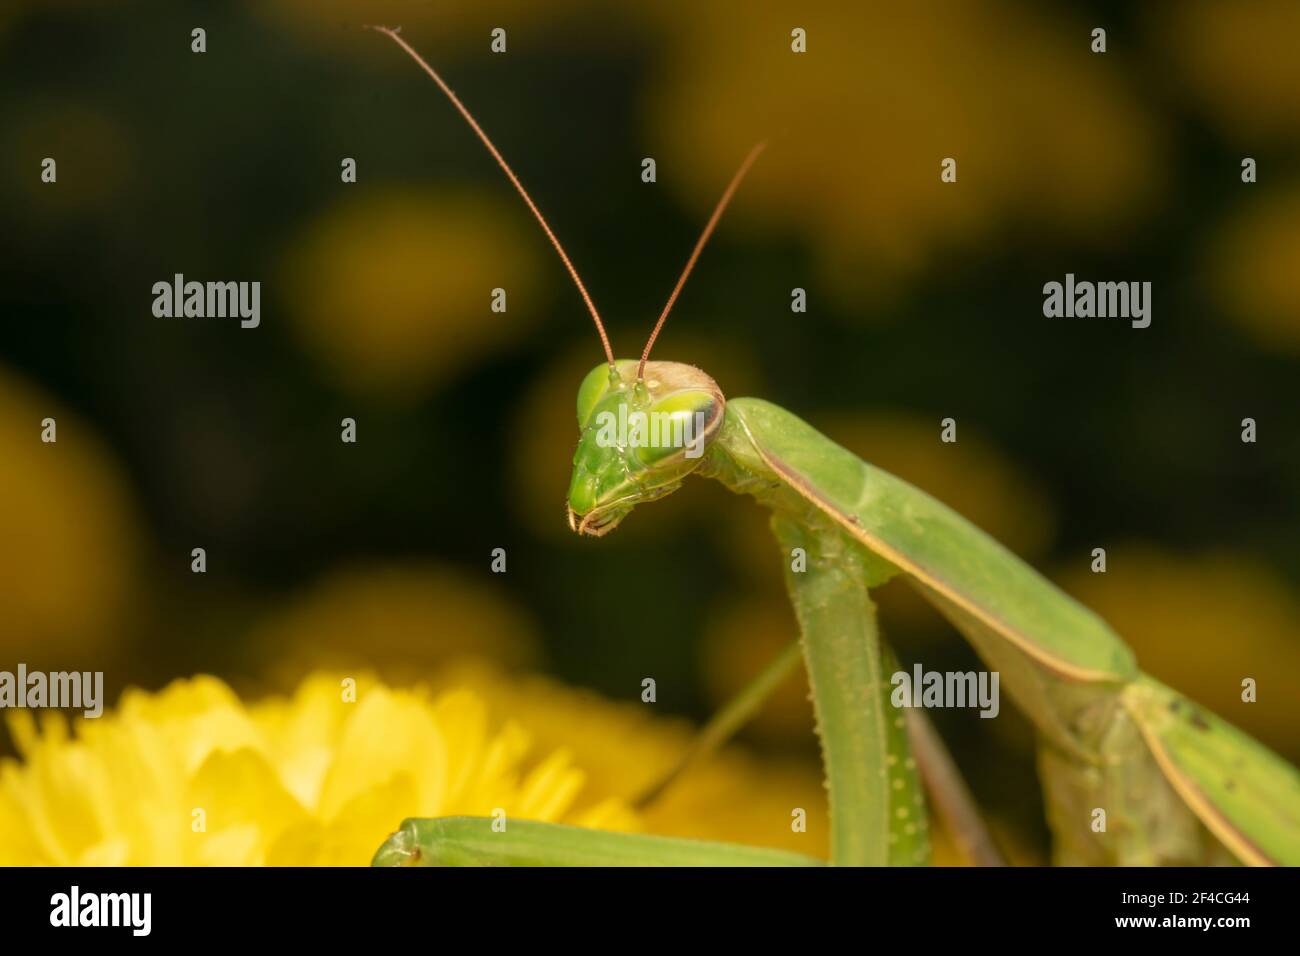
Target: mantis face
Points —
{"points": [[639, 438]]}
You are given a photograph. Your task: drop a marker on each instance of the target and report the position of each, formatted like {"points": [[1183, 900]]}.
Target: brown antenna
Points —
{"points": [[460, 107], [704, 237]]}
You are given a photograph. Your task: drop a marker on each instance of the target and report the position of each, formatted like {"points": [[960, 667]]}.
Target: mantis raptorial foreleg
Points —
{"points": [[473, 841], [841, 647]]}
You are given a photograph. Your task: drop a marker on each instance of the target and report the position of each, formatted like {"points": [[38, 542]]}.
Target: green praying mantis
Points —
{"points": [[1177, 784]]}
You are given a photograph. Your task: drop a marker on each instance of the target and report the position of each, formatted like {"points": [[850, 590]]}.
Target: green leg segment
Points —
{"points": [[472, 841], [841, 649]]}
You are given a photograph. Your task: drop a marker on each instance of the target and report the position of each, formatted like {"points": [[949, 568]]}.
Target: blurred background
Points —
{"points": [[924, 302]]}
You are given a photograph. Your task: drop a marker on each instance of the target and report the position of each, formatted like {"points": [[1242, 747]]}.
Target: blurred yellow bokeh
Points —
{"points": [[1239, 59], [401, 621], [394, 291], [68, 549], [1253, 265], [1041, 128], [859, 124]]}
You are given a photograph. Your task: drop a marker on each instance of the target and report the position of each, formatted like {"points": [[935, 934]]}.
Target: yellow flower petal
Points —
{"points": [[392, 733]]}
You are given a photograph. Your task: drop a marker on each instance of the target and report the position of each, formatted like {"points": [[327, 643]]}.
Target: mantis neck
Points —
{"points": [[874, 820]]}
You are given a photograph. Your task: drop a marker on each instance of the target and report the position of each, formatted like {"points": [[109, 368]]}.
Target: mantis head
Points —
{"points": [[640, 437], [645, 425]]}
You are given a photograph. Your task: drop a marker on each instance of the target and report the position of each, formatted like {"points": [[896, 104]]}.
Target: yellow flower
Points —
{"points": [[190, 775]]}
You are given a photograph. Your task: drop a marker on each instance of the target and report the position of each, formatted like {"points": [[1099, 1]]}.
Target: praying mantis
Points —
{"points": [[1174, 783]]}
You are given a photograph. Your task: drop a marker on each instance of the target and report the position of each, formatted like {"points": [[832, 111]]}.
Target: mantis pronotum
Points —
{"points": [[1179, 784]]}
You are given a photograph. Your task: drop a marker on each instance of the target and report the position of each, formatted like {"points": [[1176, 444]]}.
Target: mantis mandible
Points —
{"points": [[1180, 785]]}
